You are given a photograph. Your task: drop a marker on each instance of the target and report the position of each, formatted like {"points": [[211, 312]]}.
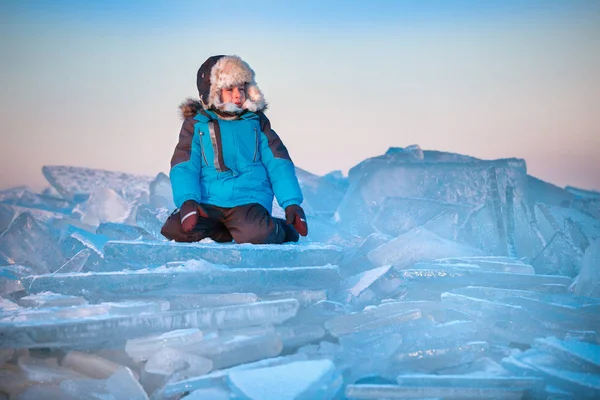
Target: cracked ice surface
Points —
{"points": [[426, 275]]}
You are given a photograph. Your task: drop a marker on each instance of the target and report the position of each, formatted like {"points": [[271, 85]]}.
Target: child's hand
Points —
{"points": [[294, 215], [189, 212]]}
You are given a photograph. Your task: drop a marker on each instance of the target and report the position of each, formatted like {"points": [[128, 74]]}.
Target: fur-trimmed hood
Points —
{"points": [[221, 71]]}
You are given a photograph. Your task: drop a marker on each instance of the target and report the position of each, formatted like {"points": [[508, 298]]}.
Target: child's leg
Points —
{"points": [[252, 223], [210, 227]]}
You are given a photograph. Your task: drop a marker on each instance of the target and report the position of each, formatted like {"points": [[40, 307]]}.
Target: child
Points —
{"points": [[229, 164]]}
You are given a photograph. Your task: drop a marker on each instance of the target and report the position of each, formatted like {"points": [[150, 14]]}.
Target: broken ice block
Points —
{"points": [[319, 313], [27, 242], [122, 385], [10, 278], [586, 355], [168, 361], [103, 205], [7, 214], [483, 309], [306, 298], [46, 370], [448, 182], [161, 193], [427, 360], [49, 299], [417, 245], [297, 380], [191, 301], [323, 193], [90, 365], [140, 349], [374, 392], [486, 264], [217, 378], [540, 191], [44, 202], [463, 381], [228, 351], [110, 329], [152, 219], [356, 261], [559, 257], [433, 281], [78, 261], [295, 336], [116, 231], [370, 318], [136, 254], [73, 182], [436, 336], [588, 282], [398, 215], [368, 287], [170, 281], [585, 386], [210, 393]]}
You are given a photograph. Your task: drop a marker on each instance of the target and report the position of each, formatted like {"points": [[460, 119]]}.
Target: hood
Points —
{"points": [[221, 71]]}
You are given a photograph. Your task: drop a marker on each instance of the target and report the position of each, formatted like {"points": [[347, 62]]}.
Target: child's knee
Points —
{"points": [[270, 233]]}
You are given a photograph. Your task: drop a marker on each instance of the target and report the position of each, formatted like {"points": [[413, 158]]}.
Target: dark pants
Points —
{"points": [[250, 223]]}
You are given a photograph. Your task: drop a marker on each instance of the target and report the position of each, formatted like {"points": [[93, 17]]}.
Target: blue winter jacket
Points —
{"points": [[228, 163]]}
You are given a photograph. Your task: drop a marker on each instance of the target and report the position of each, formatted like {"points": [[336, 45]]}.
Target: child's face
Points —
{"points": [[235, 95]]}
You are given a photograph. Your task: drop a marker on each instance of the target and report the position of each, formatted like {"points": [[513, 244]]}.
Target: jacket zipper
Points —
{"points": [[202, 148], [256, 147]]}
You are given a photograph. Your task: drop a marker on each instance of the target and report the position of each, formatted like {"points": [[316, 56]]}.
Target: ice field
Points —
{"points": [[424, 275]]}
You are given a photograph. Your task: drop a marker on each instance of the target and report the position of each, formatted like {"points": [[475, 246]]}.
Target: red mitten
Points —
{"points": [[190, 211], [294, 215]]}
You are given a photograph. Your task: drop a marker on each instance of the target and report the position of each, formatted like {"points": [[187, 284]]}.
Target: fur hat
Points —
{"points": [[219, 72]]}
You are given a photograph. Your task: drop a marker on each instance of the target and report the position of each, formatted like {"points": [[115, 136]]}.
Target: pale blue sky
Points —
{"points": [[97, 83]]}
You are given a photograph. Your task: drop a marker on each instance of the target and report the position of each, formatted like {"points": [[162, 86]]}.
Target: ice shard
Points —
{"points": [[431, 359], [585, 355], [168, 361], [355, 261], [49, 299], [161, 193], [218, 378], [149, 254], [588, 281], [117, 231], [227, 351], [7, 214], [417, 245], [141, 349], [10, 278], [78, 182], [398, 215], [152, 219], [323, 193], [109, 286], [89, 365], [110, 330], [368, 392], [27, 242], [44, 202], [121, 385], [368, 287], [103, 205], [294, 336], [490, 264], [424, 284], [297, 380], [559, 257]]}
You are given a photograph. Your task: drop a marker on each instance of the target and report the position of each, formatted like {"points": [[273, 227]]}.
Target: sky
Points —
{"points": [[97, 83]]}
